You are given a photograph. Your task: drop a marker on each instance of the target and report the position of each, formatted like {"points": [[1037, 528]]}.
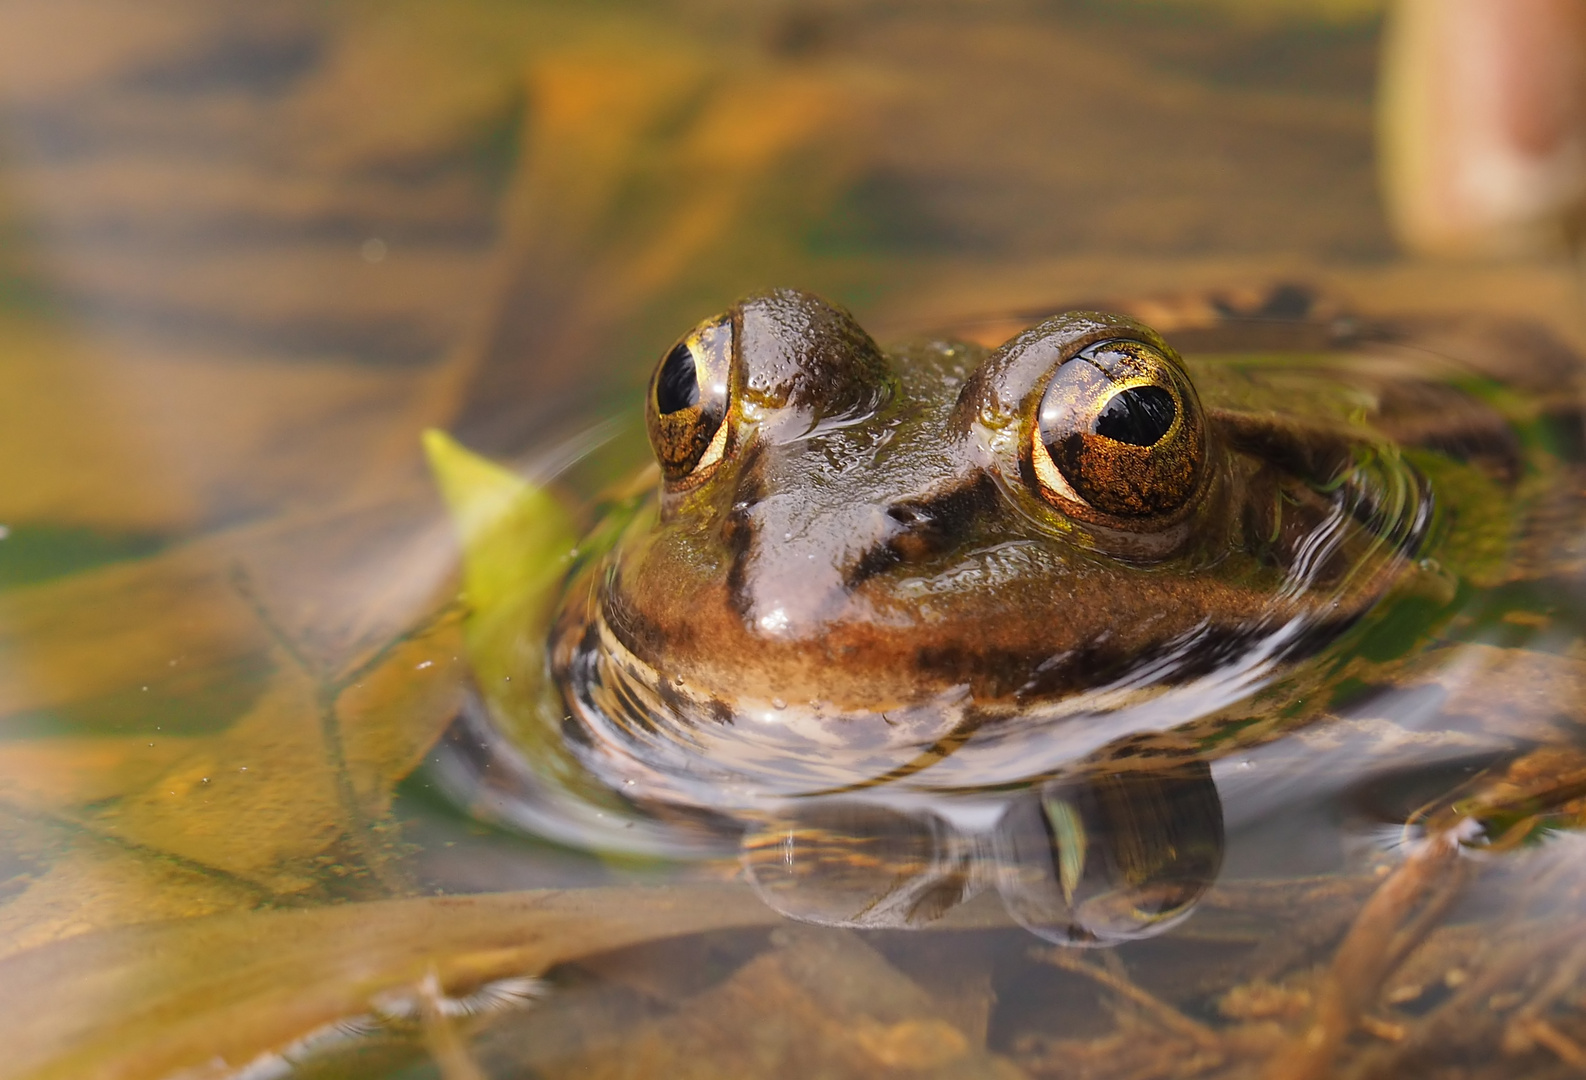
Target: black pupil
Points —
{"points": [[1138, 416], [677, 386]]}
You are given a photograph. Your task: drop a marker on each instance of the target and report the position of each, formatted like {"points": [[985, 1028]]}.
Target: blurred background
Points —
{"points": [[245, 253]]}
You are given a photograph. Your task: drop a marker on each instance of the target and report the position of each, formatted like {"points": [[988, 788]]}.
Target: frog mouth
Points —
{"points": [[638, 730]]}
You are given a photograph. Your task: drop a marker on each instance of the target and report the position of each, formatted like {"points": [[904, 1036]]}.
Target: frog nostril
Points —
{"points": [[922, 532], [911, 515], [918, 532], [919, 528]]}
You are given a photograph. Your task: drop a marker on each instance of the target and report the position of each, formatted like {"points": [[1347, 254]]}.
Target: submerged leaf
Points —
{"points": [[822, 1003], [141, 1003], [516, 536]]}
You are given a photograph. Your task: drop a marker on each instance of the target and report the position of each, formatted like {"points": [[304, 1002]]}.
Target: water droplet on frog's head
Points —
{"points": [[778, 704]]}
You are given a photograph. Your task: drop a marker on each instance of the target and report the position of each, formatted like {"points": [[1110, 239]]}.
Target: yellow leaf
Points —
{"points": [[516, 537]]}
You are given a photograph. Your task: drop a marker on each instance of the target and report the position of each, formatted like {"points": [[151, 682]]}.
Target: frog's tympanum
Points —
{"points": [[961, 605]]}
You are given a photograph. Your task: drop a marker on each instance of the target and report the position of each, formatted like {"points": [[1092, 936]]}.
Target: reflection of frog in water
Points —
{"points": [[923, 583]]}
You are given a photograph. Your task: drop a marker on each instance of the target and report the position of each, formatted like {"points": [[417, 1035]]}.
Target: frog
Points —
{"points": [[947, 595]]}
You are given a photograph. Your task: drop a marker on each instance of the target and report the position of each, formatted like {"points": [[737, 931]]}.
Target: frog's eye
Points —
{"points": [[1119, 431], [687, 413]]}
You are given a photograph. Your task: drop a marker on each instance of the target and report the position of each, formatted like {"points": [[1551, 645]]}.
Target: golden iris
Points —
{"points": [[1119, 431], [689, 395]]}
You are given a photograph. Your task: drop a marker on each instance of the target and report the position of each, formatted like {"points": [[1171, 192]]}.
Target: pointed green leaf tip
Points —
{"points": [[516, 537]]}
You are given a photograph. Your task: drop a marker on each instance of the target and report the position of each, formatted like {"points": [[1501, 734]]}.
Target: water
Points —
{"points": [[249, 258]]}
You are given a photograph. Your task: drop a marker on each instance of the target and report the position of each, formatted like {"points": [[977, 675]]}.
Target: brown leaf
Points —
{"points": [[823, 1004], [143, 1002]]}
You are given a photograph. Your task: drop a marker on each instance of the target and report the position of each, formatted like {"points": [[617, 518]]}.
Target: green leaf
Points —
{"points": [[516, 537]]}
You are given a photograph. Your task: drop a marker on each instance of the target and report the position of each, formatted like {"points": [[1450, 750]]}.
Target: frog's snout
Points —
{"points": [[800, 570], [797, 569]]}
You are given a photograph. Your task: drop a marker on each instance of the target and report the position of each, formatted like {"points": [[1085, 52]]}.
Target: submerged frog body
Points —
{"points": [[950, 614]]}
